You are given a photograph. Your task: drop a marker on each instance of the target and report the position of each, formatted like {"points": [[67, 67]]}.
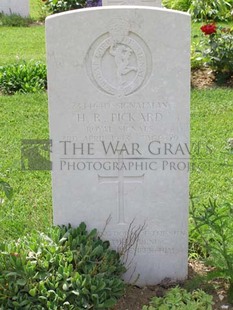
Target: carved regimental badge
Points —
{"points": [[119, 62]]}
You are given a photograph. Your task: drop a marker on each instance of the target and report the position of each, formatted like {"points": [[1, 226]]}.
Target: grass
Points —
{"points": [[23, 117], [15, 20], [37, 14], [22, 43], [26, 117], [211, 126], [36, 11], [29, 43]]}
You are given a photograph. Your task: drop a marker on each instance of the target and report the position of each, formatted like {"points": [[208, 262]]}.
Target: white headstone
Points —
{"points": [[119, 120], [20, 7]]}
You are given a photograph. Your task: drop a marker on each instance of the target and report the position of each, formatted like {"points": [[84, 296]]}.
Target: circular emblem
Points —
{"points": [[119, 62]]}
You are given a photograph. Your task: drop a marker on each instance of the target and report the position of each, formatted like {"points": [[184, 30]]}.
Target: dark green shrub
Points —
{"points": [[197, 59], [179, 299], [23, 77], [180, 5], [203, 10], [15, 20], [65, 268], [212, 227], [211, 10], [218, 50], [57, 6]]}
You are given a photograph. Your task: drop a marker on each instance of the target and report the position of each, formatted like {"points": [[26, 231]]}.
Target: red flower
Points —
{"points": [[209, 29]]}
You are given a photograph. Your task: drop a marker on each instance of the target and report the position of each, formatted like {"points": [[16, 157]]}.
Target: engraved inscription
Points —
{"points": [[123, 120], [150, 241]]}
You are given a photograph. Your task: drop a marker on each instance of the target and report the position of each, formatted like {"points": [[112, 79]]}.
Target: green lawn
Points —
{"points": [[211, 126], [25, 117], [28, 43], [23, 43]]}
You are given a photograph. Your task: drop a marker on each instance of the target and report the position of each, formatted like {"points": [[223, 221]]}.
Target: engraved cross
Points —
{"points": [[121, 180]]}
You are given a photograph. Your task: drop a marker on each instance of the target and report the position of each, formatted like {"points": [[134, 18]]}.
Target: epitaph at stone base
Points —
{"points": [[119, 123]]}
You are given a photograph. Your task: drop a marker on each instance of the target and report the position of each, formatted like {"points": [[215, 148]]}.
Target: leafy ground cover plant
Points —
{"points": [[15, 20], [197, 60], [218, 10], [22, 44], [211, 10], [181, 5], [66, 268], [214, 225], [180, 299], [57, 6], [218, 50], [23, 77], [37, 10]]}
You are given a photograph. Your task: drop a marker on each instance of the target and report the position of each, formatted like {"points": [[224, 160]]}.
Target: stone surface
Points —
{"points": [[20, 7], [119, 122], [155, 3]]}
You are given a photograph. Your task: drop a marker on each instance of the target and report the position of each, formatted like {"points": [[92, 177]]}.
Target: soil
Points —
{"points": [[135, 297], [37, 23], [204, 78]]}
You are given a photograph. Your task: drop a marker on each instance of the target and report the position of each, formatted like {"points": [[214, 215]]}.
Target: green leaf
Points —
{"points": [[21, 282], [93, 233], [108, 303], [62, 240], [32, 292], [11, 274], [66, 303], [24, 303], [97, 251], [6, 189], [83, 227], [65, 287], [75, 293]]}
